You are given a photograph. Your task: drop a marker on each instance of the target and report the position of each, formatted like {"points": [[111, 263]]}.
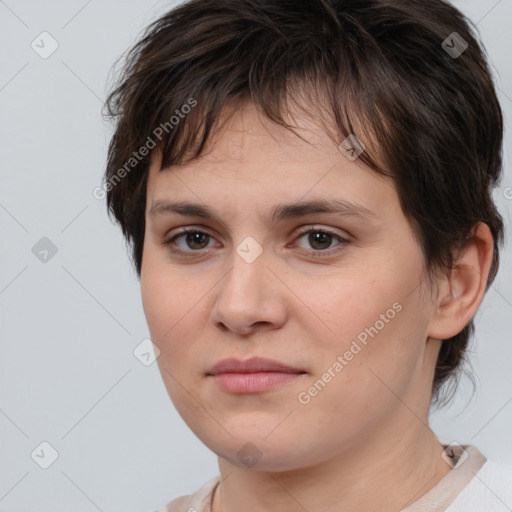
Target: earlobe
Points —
{"points": [[461, 291]]}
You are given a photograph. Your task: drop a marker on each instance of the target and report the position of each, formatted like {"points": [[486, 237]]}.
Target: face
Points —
{"points": [[334, 295]]}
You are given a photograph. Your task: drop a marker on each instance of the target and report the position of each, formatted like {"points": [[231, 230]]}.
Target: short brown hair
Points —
{"points": [[429, 117]]}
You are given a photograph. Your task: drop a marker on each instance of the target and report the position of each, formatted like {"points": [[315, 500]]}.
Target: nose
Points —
{"points": [[250, 298]]}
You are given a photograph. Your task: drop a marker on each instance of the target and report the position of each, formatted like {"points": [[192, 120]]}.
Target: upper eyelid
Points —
{"points": [[341, 238], [331, 231], [302, 231]]}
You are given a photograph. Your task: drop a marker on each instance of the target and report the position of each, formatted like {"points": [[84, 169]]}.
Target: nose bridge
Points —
{"points": [[247, 278], [246, 295]]}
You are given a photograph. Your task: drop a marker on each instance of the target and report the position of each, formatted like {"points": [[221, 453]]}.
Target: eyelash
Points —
{"points": [[309, 229]]}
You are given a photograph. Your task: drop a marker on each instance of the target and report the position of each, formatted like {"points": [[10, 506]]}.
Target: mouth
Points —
{"points": [[253, 375]]}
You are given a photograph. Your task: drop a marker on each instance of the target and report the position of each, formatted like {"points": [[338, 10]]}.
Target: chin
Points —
{"points": [[256, 455], [260, 452]]}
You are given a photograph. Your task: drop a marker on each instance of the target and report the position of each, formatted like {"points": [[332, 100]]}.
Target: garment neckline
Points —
{"points": [[465, 461]]}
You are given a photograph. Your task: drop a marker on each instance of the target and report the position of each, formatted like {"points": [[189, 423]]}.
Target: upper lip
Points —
{"points": [[253, 365]]}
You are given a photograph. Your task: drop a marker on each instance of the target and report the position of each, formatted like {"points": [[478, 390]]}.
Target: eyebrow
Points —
{"points": [[281, 211]]}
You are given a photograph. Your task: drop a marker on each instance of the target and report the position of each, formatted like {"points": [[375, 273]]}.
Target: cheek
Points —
{"points": [[373, 321], [346, 307], [163, 300], [156, 300], [169, 313], [176, 308]]}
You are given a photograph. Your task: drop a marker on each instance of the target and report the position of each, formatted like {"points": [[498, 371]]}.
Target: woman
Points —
{"points": [[306, 187]]}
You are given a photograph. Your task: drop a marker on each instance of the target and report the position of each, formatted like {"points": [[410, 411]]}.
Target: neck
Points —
{"points": [[382, 471]]}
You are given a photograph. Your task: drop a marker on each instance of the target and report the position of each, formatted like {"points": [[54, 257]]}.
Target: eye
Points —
{"points": [[321, 240], [193, 240]]}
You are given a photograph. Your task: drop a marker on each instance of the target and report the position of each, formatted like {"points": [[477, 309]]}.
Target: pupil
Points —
{"points": [[321, 238], [193, 238]]}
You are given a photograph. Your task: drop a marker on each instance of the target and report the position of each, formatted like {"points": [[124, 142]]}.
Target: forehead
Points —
{"points": [[255, 161], [245, 136], [244, 132]]}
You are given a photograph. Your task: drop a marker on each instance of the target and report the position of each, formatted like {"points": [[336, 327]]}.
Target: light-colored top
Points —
{"points": [[473, 485]]}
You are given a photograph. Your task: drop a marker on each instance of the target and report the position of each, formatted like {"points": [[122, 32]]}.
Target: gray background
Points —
{"points": [[69, 326]]}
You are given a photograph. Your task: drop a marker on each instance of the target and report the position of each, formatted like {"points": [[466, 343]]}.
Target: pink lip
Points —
{"points": [[252, 375]]}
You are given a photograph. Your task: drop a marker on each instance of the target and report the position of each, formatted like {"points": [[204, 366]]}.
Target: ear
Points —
{"points": [[461, 291]]}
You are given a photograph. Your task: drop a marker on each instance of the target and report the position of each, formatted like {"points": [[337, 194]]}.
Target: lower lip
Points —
{"points": [[252, 382]]}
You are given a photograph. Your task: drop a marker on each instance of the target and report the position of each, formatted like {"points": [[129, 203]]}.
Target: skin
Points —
{"points": [[363, 442]]}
